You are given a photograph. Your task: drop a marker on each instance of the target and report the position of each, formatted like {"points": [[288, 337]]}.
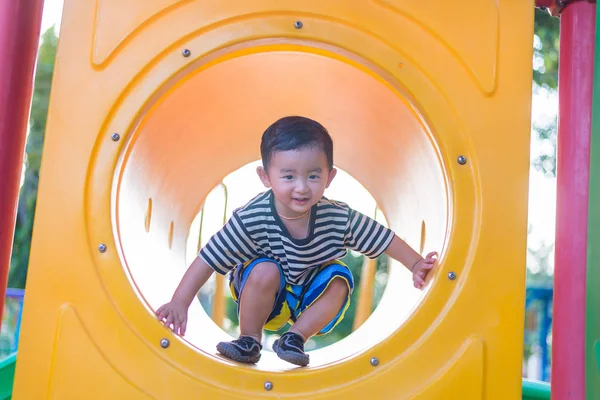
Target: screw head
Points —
{"points": [[298, 24], [164, 343], [462, 160], [186, 53], [115, 137], [374, 361], [102, 248], [452, 275], [268, 386]]}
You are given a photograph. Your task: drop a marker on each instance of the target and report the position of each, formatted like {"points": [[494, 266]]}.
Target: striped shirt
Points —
{"points": [[256, 230]]}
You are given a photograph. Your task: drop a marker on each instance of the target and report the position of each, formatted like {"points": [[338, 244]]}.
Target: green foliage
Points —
{"points": [[545, 49], [540, 274], [545, 160], [33, 158], [545, 81]]}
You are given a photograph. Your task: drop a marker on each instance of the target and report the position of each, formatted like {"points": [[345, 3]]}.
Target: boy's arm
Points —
{"points": [[194, 278], [418, 266], [369, 237], [174, 313], [400, 251]]}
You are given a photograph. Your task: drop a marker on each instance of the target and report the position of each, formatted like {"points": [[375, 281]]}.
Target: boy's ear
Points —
{"points": [[264, 177], [332, 175]]}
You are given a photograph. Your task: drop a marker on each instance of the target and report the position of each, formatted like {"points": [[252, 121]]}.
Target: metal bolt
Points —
{"points": [[462, 160], [451, 276], [186, 53], [164, 343], [115, 137], [268, 386], [374, 361], [298, 24], [102, 248]]}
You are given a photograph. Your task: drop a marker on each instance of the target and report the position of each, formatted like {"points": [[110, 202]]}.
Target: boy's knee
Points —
{"points": [[339, 287], [265, 275]]}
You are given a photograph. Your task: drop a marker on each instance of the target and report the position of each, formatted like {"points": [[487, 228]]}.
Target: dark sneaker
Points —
{"points": [[245, 349], [290, 347]]}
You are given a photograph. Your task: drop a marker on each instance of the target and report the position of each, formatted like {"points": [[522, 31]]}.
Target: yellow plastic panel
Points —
{"points": [[404, 90], [78, 363]]}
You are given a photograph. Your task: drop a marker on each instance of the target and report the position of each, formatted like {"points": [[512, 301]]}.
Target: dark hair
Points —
{"points": [[295, 133]]}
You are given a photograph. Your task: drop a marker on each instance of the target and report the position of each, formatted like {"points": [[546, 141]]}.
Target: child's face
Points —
{"points": [[298, 179]]}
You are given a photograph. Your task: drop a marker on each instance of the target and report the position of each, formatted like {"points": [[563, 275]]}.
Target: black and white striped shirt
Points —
{"points": [[256, 230]]}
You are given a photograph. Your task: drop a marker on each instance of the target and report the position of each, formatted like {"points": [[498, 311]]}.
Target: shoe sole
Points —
{"points": [[293, 357], [229, 351]]}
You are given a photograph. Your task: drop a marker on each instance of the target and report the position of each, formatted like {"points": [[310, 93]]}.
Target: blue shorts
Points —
{"points": [[292, 300]]}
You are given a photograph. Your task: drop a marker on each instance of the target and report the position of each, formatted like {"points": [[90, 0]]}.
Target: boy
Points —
{"points": [[283, 249]]}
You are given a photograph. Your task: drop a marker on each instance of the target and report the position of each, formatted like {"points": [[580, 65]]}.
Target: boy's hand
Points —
{"points": [[422, 268], [174, 315]]}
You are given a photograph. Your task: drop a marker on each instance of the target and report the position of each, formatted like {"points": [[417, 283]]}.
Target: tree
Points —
{"points": [[545, 82], [545, 46], [33, 157]]}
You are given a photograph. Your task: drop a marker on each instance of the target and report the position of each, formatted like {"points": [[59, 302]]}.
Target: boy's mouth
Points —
{"points": [[300, 199]]}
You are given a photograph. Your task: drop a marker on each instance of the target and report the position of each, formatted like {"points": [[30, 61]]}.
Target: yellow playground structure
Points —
{"points": [[155, 101]]}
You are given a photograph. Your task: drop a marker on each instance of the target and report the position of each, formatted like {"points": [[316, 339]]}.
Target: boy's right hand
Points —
{"points": [[174, 316]]}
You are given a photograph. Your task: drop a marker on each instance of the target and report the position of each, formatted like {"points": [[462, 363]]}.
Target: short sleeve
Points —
{"points": [[229, 247], [367, 236]]}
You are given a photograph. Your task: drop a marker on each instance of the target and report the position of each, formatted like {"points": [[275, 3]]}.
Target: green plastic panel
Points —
{"points": [[592, 379], [534, 390], [7, 374]]}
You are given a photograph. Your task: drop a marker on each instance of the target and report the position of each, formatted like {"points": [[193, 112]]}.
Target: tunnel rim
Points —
{"points": [[118, 164]]}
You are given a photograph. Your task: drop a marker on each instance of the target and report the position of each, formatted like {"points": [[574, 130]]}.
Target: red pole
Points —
{"points": [[576, 74], [20, 22]]}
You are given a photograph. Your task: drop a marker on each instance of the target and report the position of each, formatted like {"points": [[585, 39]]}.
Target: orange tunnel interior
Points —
{"points": [[209, 123]]}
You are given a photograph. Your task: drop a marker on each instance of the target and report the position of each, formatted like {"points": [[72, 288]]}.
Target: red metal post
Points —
{"points": [[20, 22], [576, 74]]}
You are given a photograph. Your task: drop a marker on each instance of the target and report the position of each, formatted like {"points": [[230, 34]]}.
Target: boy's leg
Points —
{"points": [[257, 299], [259, 286], [322, 307], [322, 311]]}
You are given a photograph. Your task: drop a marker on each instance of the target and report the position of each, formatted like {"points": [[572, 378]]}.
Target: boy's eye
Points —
{"points": [[288, 177], [314, 177]]}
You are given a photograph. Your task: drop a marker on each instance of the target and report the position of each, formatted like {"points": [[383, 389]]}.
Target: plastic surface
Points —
{"points": [[535, 390], [576, 75], [7, 374], [592, 350], [404, 90]]}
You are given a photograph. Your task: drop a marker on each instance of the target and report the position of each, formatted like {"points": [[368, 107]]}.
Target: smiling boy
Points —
{"points": [[283, 249]]}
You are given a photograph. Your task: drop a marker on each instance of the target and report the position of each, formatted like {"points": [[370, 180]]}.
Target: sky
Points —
{"points": [[542, 194]]}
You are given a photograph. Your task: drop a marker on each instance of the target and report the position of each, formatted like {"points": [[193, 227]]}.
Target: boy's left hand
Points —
{"points": [[422, 268]]}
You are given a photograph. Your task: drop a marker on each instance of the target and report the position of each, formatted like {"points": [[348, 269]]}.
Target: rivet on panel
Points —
{"points": [[298, 24], [186, 53], [452, 275], [374, 361], [164, 343], [268, 386], [102, 248], [462, 160], [115, 137]]}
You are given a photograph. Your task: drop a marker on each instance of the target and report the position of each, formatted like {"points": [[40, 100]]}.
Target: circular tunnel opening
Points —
{"points": [[208, 124]]}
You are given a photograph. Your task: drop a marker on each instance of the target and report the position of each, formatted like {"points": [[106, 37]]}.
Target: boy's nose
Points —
{"points": [[301, 186]]}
